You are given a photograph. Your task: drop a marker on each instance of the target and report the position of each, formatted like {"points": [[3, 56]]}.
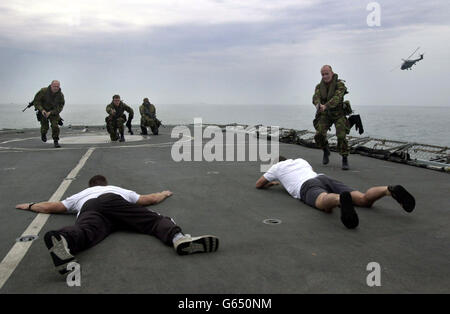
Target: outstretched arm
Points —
{"points": [[44, 207], [263, 183], [154, 198]]}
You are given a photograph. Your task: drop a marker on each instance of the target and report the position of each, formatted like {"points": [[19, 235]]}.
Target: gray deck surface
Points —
{"points": [[309, 252]]}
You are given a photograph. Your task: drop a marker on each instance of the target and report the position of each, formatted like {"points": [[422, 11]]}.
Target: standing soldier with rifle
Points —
{"points": [[148, 117], [116, 118], [331, 109], [49, 103]]}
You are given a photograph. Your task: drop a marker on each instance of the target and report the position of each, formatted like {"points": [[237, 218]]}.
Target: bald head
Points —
{"points": [[327, 73], [55, 86], [326, 66]]}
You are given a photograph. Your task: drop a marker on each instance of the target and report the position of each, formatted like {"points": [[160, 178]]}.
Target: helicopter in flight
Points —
{"points": [[408, 63]]}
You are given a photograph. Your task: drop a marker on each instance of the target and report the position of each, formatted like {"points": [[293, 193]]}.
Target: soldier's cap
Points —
{"points": [[116, 96]]}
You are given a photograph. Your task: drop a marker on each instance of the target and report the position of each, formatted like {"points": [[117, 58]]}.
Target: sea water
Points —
{"points": [[427, 125]]}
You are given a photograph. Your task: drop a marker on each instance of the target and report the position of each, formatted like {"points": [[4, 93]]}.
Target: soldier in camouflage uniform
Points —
{"points": [[48, 103], [116, 118], [329, 101], [148, 117]]}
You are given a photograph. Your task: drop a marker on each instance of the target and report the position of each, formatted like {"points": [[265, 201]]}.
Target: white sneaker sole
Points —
{"points": [[59, 252], [201, 244]]}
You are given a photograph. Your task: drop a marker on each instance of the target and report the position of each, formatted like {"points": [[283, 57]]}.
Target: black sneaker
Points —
{"points": [[326, 153], [348, 214], [59, 251], [401, 195], [345, 163], [44, 138], [202, 244]]}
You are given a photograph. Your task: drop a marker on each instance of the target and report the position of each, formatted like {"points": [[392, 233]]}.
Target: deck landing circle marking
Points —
{"points": [[96, 139], [114, 145]]}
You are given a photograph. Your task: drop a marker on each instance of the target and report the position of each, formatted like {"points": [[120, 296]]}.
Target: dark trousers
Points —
{"points": [[101, 216]]}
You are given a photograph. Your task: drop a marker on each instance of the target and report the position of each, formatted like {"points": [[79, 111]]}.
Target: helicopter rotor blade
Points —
{"points": [[413, 53], [396, 67]]}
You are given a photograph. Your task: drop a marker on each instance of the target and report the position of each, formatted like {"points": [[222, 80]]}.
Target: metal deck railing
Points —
{"points": [[415, 154]]}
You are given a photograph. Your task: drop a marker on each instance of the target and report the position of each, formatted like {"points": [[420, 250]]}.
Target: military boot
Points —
{"points": [[122, 138], [44, 138], [56, 144], [155, 131], [345, 163], [326, 153], [143, 130]]}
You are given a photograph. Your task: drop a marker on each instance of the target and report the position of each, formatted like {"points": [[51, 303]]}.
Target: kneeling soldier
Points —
{"points": [[148, 117], [116, 118]]}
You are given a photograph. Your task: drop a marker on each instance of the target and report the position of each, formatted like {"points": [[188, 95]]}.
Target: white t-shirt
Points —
{"points": [[76, 201], [291, 174]]}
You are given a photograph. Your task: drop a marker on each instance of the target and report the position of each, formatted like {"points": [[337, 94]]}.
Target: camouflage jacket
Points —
{"points": [[119, 110], [46, 100], [331, 95], [148, 112]]}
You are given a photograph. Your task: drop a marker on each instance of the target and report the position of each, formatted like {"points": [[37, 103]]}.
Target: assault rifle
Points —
{"points": [[30, 104], [39, 115]]}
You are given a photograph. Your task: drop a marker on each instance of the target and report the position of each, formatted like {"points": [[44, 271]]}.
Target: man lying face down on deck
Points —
{"points": [[102, 209], [325, 193]]}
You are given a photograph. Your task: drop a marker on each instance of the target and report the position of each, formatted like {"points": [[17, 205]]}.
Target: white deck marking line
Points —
{"points": [[23, 149], [18, 140], [19, 249]]}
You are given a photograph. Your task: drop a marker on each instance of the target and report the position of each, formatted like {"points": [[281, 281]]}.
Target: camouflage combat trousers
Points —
{"points": [[146, 122], [323, 123], [112, 125], [54, 124], [153, 124]]}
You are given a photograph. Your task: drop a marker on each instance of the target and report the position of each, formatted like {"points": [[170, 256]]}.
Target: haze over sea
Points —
{"points": [[426, 125]]}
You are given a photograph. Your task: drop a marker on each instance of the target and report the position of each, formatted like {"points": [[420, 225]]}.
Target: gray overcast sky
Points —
{"points": [[222, 51]]}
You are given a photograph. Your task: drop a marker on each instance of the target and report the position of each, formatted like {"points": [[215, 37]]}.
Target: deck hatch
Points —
{"points": [[272, 221]]}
